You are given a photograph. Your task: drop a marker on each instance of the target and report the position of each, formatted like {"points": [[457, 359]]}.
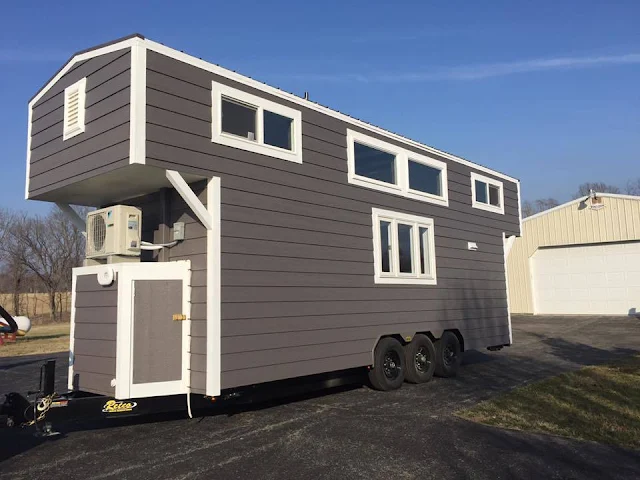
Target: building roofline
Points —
{"points": [[578, 200], [202, 64], [86, 50]]}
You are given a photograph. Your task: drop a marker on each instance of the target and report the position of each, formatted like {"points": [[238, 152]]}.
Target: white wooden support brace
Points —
{"points": [[73, 216], [190, 198]]}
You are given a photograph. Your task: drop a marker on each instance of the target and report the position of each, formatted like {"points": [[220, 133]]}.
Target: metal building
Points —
{"points": [[582, 257]]}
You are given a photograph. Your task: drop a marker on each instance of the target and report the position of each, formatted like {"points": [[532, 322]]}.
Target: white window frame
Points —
{"points": [[401, 187], [395, 277], [487, 206], [80, 86], [219, 90]]}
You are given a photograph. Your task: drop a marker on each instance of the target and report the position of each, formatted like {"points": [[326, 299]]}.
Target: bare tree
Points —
{"points": [[531, 208], [598, 187], [633, 187], [49, 247]]}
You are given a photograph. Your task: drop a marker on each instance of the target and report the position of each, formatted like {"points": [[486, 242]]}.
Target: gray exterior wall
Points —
{"points": [[298, 292], [103, 146], [95, 329]]}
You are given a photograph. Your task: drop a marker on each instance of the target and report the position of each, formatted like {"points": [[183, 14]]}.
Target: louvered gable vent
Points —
{"points": [[74, 100]]}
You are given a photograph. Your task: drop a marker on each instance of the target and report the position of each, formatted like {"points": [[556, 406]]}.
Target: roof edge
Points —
{"points": [[80, 52], [578, 200]]}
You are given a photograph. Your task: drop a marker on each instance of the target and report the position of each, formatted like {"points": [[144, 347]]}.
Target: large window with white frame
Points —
{"points": [[403, 248], [386, 167], [487, 193], [252, 123]]}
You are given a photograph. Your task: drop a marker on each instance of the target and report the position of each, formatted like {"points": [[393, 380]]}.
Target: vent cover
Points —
{"points": [[98, 234], [74, 103]]}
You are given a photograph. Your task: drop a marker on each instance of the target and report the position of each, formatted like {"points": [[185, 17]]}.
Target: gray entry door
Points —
{"points": [[157, 338]]}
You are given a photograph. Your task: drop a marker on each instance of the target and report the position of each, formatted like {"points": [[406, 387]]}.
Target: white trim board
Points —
{"points": [[581, 199], [214, 290], [138, 106], [223, 72]]}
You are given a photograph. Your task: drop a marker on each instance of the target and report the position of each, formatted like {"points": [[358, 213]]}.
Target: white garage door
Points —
{"points": [[593, 279]]}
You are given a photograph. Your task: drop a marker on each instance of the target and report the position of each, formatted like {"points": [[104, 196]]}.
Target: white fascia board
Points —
{"points": [[138, 107], [190, 198], [582, 199], [79, 58], [28, 170], [223, 72]]}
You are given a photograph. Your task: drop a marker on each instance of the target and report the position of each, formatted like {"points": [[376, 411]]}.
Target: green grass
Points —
{"points": [[40, 339], [600, 403]]}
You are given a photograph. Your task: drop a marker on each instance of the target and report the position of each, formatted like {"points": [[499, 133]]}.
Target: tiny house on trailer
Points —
{"points": [[247, 235]]}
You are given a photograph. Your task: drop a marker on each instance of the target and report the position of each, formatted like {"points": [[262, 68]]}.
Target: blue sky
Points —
{"points": [[544, 91]]}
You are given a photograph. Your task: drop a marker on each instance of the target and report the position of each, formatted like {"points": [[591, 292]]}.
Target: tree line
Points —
{"points": [[540, 205], [37, 253]]}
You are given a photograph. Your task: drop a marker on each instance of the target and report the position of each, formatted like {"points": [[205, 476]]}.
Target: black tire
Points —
{"points": [[448, 355], [420, 358], [389, 367]]}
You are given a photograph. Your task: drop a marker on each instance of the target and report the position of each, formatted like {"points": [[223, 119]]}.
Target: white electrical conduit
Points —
{"points": [[160, 246]]}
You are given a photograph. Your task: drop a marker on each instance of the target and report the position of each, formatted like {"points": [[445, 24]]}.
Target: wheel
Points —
{"points": [[420, 358], [448, 355], [389, 366]]}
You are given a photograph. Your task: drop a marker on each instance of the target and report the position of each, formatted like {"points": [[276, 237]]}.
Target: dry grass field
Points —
{"points": [[41, 339], [36, 305]]}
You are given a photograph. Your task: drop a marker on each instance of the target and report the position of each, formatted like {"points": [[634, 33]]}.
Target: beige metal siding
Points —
{"points": [[571, 224]]}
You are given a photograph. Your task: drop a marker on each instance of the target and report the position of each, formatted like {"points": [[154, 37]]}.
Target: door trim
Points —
{"points": [[128, 274]]}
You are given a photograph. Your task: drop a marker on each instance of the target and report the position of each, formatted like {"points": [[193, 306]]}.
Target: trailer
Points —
{"points": [[245, 235]]}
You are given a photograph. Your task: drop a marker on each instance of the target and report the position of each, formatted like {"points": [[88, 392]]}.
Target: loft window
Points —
{"points": [[238, 119], [74, 109], [277, 130], [487, 194], [252, 123], [379, 165], [374, 164], [404, 249]]}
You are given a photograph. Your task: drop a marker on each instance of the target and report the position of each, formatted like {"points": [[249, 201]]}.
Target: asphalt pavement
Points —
{"points": [[351, 432]]}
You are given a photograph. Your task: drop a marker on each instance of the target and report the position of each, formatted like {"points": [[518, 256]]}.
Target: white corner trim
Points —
{"points": [[507, 244], [486, 206], [395, 277], [189, 197], [223, 72], [28, 170], [519, 208], [81, 88], [73, 216], [72, 329], [138, 105], [213, 359], [402, 157], [219, 90]]}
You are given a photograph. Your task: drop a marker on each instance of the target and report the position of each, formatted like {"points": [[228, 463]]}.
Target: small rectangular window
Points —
{"points": [[373, 163], [494, 195], [277, 130], [251, 123], [403, 248], [487, 193], [385, 246], [382, 166], [239, 119], [425, 178], [74, 109]]}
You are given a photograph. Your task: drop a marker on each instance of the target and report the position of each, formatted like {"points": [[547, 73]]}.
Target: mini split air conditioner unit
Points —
{"points": [[114, 231]]}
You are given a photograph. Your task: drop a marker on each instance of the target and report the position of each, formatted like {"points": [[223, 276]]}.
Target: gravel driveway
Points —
{"points": [[349, 433]]}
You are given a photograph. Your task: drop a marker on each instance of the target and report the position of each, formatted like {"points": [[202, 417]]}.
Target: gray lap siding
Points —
{"points": [[298, 292], [103, 146]]}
